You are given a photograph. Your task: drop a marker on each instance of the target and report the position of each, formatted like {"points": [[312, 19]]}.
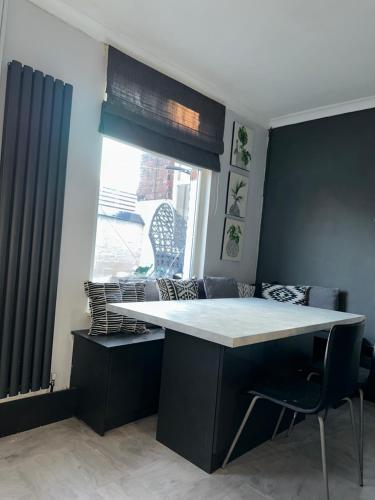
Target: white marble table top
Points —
{"points": [[235, 322]]}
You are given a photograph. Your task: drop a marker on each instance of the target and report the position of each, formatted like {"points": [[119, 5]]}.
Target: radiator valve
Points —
{"points": [[52, 382]]}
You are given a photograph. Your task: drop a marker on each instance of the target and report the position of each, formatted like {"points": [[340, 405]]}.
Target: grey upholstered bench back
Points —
{"points": [[319, 296], [152, 291]]}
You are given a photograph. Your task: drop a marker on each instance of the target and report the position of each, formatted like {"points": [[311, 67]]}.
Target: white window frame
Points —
{"points": [[200, 223], [198, 252]]}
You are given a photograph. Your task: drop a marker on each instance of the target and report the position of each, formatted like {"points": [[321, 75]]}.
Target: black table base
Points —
{"points": [[201, 405]]}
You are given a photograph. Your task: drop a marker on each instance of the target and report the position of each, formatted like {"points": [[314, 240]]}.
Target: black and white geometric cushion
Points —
{"points": [[286, 293], [104, 322], [170, 289], [245, 290]]}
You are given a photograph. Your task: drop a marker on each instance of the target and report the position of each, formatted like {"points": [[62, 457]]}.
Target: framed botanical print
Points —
{"points": [[237, 195], [234, 233], [242, 146]]}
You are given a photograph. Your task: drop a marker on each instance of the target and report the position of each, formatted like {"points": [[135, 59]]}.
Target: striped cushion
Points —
{"points": [[104, 322], [132, 292]]}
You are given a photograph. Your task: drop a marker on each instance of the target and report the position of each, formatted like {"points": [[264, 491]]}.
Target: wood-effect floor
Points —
{"points": [[68, 461]]}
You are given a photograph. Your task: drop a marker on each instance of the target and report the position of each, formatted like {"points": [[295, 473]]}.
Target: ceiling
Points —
{"points": [[264, 59]]}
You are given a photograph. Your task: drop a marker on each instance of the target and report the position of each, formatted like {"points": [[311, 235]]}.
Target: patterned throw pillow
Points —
{"points": [[132, 292], [151, 288], [177, 289], [286, 293], [104, 322], [245, 290]]}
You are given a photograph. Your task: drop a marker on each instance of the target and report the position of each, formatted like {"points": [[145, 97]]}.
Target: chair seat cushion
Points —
{"points": [[291, 391]]}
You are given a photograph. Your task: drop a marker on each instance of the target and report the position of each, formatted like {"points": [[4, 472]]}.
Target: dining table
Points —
{"points": [[213, 350]]}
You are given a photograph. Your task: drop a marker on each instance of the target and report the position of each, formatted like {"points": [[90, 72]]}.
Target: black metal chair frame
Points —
{"points": [[367, 357], [340, 383]]}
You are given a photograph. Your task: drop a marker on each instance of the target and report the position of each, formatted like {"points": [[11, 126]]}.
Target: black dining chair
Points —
{"points": [[340, 383], [366, 376]]}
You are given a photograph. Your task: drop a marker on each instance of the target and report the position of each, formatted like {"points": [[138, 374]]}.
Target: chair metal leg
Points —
{"points": [[361, 431], [239, 432], [291, 425], [278, 423], [312, 374], [324, 460], [355, 440]]}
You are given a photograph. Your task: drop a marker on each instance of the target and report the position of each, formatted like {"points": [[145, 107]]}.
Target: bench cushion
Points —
{"points": [[104, 322], [151, 288], [201, 290], [151, 291], [220, 287], [245, 290], [172, 289], [286, 293], [325, 298]]}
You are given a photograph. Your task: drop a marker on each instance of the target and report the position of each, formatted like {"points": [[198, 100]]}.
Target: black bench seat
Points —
{"points": [[117, 376], [121, 339]]}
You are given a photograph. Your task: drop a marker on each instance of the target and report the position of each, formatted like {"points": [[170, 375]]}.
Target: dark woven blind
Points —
{"points": [[151, 110]]}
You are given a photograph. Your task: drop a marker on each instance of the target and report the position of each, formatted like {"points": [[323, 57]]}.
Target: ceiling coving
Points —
{"points": [[262, 59]]}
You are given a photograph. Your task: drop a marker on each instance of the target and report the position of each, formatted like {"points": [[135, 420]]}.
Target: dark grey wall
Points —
{"points": [[318, 224]]}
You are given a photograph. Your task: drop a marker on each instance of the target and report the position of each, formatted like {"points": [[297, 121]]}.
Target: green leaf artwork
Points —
{"points": [[237, 197], [233, 236], [241, 146]]}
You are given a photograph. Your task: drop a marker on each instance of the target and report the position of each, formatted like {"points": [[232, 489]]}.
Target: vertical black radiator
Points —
{"points": [[32, 184]]}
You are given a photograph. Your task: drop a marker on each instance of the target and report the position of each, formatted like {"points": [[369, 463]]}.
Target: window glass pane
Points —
{"points": [[146, 215]]}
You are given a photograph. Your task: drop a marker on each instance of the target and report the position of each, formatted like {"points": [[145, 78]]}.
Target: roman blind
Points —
{"points": [[153, 111]]}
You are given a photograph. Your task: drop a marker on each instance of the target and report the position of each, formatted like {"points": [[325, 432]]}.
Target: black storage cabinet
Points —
{"points": [[117, 377]]}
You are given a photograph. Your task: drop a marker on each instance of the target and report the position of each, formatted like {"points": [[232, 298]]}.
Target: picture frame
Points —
{"points": [[242, 146], [237, 191], [233, 237]]}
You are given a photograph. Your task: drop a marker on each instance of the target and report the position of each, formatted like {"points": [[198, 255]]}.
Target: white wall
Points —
{"points": [[246, 269], [3, 15], [40, 40]]}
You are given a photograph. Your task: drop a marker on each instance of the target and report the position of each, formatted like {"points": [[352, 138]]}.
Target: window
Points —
{"points": [[146, 215]]}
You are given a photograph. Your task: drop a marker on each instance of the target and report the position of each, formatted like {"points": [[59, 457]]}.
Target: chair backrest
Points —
{"points": [[167, 235], [341, 363]]}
